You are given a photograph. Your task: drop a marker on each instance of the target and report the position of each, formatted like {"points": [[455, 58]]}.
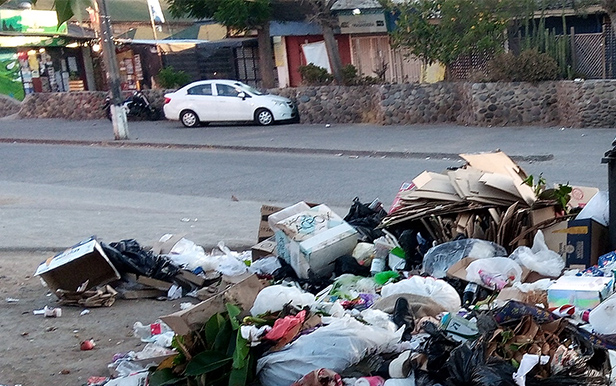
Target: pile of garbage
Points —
{"points": [[476, 276]]}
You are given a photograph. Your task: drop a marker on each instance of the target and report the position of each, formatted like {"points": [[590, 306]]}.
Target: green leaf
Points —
{"points": [[238, 377], [242, 349], [234, 312], [205, 362], [212, 328], [224, 336], [163, 378], [64, 10]]}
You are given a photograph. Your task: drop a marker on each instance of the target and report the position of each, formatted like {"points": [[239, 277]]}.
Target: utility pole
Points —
{"points": [[118, 114], [610, 160]]}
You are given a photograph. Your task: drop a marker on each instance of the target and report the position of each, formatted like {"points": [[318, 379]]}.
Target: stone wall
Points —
{"points": [[79, 105], [566, 103], [8, 106], [331, 104]]}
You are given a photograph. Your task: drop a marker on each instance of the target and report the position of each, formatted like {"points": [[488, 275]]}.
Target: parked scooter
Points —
{"points": [[136, 105]]}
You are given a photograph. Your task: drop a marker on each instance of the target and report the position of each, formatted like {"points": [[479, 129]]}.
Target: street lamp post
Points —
{"points": [[118, 114]]}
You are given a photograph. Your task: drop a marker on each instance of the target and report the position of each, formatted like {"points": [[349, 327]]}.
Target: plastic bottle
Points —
{"points": [[378, 265], [470, 294]]}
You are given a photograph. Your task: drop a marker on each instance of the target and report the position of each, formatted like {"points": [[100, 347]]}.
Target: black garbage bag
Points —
{"points": [[467, 366], [348, 264], [129, 257], [365, 220], [415, 247]]}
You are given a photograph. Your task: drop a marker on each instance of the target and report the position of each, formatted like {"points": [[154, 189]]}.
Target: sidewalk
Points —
{"points": [[44, 217]]}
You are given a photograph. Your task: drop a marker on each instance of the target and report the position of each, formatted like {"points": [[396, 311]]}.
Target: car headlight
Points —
{"points": [[278, 103]]}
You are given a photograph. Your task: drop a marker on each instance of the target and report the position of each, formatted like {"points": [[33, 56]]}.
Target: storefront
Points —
{"points": [[38, 56]]}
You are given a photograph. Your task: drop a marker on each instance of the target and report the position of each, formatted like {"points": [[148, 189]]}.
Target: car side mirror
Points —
{"points": [[242, 95]]}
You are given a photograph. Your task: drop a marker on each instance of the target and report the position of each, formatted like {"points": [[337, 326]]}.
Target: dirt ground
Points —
{"points": [[46, 351]]}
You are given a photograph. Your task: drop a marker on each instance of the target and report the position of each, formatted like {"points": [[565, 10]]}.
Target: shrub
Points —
{"points": [[313, 75], [169, 78], [350, 76], [529, 66]]}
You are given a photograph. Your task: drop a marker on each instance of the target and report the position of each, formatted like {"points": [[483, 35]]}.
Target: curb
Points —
{"points": [[336, 152]]}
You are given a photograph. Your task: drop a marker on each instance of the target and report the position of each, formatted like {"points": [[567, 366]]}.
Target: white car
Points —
{"points": [[217, 100]]}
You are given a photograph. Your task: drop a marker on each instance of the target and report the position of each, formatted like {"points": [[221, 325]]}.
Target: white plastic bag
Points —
{"points": [[336, 346], [502, 269], [539, 258], [597, 209], [232, 264], [438, 290], [273, 298], [189, 255], [602, 317]]}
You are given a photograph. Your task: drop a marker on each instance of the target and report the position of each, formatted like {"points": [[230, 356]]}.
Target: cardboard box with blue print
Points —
{"points": [[579, 242], [311, 239]]}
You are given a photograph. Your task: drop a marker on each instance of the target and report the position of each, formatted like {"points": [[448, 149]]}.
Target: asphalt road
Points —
{"points": [[61, 181]]}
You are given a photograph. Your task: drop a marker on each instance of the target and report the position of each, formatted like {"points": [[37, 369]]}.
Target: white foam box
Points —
{"points": [[311, 240]]}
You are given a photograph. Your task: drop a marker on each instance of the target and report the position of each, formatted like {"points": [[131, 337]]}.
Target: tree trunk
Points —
{"points": [[266, 56], [332, 51]]}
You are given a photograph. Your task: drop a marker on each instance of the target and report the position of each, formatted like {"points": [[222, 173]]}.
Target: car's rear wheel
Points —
{"points": [[264, 117], [189, 118]]}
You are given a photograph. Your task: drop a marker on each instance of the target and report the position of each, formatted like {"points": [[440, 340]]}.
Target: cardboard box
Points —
{"points": [[263, 249], [579, 242], [265, 232], [82, 262], [583, 292], [311, 240], [580, 195], [242, 294]]}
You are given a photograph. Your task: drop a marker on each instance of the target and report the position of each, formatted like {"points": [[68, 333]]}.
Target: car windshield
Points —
{"points": [[251, 90]]}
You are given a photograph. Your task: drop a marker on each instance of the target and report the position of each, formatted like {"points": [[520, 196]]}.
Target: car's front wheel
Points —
{"points": [[264, 117], [189, 118]]}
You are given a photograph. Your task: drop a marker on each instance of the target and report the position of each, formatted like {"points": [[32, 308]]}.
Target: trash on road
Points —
{"points": [[480, 275]]}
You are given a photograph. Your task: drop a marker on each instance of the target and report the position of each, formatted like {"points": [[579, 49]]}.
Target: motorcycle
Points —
{"points": [[136, 105]]}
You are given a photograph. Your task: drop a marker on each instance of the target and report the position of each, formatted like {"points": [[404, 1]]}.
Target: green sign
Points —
{"points": [[31, 22], [10, 76]]}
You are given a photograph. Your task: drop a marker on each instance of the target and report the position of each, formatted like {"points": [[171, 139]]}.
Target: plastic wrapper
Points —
{"points": [[438, 259], [275, 297], [438, 290], [494, 273], [539, 258], [265, 266], [336, 346]]}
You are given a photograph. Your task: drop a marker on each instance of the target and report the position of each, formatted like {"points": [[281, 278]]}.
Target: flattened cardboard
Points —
{"points": [[82, 262], [242, 294], [500, 163]]}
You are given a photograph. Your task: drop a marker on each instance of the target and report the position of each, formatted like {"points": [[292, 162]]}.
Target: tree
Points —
{"points": [[609, 6], [443, 30], [322, 14], [240, 15]]}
